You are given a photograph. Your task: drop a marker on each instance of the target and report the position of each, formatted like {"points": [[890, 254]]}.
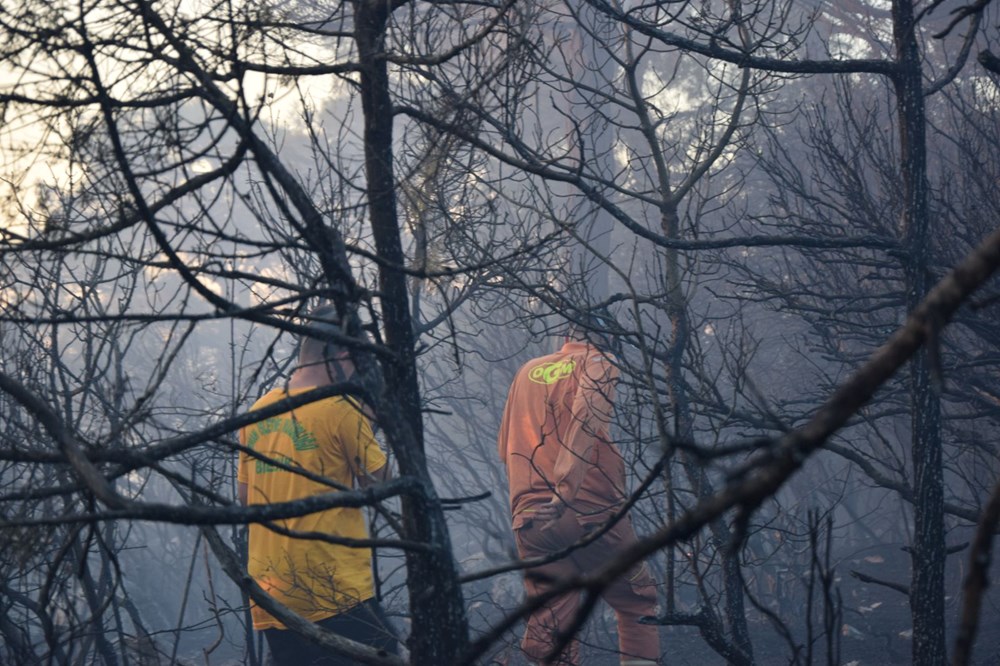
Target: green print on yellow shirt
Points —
{"points": [[267, 468], [550, 373], [302, 439]]}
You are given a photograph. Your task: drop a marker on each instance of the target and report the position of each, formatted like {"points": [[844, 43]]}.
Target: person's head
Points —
{"points": [[318, 349], [596, 326]]}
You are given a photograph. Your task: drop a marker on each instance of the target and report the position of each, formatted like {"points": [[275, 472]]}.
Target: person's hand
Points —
{"points": [[549, 512]]}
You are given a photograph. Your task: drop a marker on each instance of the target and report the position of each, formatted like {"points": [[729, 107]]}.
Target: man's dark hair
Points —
{"points": [[597, 326]]}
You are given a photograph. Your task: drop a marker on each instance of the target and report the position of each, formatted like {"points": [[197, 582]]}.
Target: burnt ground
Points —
{"points": [[874, 628]]}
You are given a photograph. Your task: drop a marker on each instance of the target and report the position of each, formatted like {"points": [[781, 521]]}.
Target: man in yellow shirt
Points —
{"points": [[331, 442]]}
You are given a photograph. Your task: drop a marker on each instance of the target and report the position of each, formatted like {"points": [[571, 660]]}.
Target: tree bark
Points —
{"points": [[928, 552], [439, 633]]}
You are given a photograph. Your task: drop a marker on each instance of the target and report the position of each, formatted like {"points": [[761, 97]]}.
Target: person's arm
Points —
{"points": [[503, 435], [242, 460], [590, 419], [367, 461], [366, 478]]}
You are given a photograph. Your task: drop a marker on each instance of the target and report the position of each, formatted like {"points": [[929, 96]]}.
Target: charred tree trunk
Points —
{"points": [[439, 631], [928, 548], [722, 535]]}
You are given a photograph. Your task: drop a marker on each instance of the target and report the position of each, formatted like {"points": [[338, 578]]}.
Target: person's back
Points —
{"points": [[331, 442], [567, 479], [554, 436]]}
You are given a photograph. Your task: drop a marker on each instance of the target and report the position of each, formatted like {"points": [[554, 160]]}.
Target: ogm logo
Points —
{"points": [[550, 373]]}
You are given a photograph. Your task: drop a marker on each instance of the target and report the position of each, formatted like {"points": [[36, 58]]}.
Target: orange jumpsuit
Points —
{"points": [[555, 441]]}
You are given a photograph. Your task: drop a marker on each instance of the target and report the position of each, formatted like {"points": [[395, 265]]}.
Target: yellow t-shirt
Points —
{"points": [[331, 438]]}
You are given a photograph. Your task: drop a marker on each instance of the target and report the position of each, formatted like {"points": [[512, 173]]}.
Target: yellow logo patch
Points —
{"points": [[550, 373]]}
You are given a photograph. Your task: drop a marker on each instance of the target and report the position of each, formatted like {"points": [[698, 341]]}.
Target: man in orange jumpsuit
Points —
{"points": [[567, 479]]}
